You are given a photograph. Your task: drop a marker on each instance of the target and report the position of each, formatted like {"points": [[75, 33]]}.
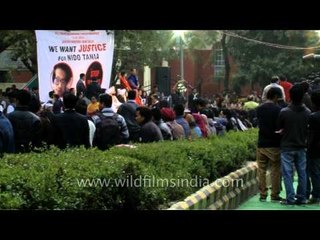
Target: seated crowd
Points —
{"points": [[287, 117]]}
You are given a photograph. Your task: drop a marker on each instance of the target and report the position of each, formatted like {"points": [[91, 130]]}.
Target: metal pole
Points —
{"points": [[181, 59]]}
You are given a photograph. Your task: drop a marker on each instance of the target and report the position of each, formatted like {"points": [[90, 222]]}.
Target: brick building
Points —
{"points": [[204, 70], [13, 71]]}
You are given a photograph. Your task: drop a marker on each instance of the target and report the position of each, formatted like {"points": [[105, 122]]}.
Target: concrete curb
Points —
{"points": [[224, 193]]}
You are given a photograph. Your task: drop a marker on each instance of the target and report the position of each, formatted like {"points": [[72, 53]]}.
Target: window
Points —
{"points": [[219, 66], [4, 76]]}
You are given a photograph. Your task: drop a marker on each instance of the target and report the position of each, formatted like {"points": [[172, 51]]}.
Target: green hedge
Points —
{"points": [[50, 180]]}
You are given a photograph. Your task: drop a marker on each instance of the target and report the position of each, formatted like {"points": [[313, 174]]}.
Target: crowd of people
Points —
{"points": [[286, 114], [82, 116]]}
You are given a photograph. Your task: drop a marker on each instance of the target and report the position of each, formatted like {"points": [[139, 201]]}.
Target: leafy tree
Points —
{"points": [[137, 48], [23, 45], [201, 39], [25, 49], [4, 40], [257, 62]]}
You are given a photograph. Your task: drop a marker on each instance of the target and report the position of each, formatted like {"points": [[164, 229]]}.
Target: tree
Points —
{"points": [[138, 48], [201, 39], [23, 46], [25, 49], [4, 40], [257, 61]]}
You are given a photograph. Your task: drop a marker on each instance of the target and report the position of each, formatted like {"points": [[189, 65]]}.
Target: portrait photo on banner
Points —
{"points": [[62, 78]]}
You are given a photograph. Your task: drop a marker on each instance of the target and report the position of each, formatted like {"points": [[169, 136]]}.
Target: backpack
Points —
{"points": [[176, 133], [107, 132]]}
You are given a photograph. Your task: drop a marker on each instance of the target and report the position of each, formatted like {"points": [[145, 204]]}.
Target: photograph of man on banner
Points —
{"points": [[62, 78]]}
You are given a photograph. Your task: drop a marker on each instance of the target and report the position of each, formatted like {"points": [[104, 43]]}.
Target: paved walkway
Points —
{"points": [[254, 203]]}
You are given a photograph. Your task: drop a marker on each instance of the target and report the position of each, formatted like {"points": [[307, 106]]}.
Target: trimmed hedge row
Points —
{"points": [[52, 179]]}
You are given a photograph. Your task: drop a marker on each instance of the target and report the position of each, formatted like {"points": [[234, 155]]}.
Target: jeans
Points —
{"points": [[298, 158]]}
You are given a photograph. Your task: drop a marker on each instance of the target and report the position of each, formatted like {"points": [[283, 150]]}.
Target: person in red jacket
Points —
{"points": [[286, 87], [124, 81]]}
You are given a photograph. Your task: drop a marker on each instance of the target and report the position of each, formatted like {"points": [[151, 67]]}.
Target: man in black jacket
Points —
{"points": [[70, 128], [26, 125], [269, 145], [293, 122], [81, 87], [313, 153]]}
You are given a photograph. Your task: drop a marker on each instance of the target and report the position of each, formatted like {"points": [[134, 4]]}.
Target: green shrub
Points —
{"points": [[55, 179]]}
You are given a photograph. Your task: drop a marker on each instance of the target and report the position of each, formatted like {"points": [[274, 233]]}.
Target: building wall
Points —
{"points": [[199, 73], [17, 70], [21, 76]]}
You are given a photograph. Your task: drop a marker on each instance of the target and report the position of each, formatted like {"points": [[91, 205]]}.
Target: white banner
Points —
{"points": [[64, 55]]}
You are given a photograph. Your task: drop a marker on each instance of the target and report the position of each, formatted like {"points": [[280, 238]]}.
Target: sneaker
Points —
{"points": [[277, 199], [263, 199], [313, 201], [285, 202], [297, 202]]}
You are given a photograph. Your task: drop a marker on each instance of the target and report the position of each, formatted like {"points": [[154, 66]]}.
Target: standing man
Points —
{"points": [[293, 125], [123, 81], [274, 82], [192, 99], [268, 150], [81, 87], [133, 79], [313, 149]]}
